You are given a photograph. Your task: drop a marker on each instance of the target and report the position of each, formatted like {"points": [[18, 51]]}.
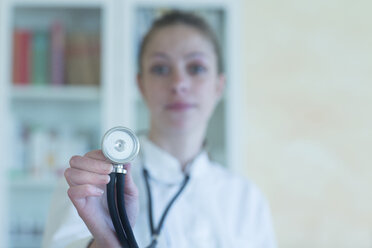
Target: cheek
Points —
{"points": [[153, 96], [208, 91], [207, 96]]}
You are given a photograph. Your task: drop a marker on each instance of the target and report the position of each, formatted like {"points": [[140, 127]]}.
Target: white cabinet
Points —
{"points": [[50, 111], [56, 65]]}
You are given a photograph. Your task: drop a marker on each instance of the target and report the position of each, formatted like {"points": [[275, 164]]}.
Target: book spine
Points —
{"points": [[78, 61], [40, 47], [94, 54], [25, 54], [57, 53], [16, 56]]}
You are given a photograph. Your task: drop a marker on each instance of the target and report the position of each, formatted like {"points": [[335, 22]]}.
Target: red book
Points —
{"points": [[24, 57], [16, 56]]}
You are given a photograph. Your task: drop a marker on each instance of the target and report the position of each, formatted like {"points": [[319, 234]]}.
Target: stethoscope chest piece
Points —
{"points": [[120, 145]]}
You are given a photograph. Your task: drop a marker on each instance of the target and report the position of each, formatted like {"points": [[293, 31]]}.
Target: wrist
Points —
{"points": [[104, 243]]}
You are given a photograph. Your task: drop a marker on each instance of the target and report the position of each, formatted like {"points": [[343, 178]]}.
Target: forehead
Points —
{"points": [[178, 39]]}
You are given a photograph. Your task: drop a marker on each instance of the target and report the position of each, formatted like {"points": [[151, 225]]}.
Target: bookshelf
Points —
{"points": [[56, 69], [57, 104], [66, 93]]}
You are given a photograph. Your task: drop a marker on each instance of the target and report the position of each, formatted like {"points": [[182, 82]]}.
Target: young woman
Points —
{"points": [[181, 80]]}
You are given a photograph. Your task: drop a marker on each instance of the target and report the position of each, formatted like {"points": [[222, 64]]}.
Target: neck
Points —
{"points": [[184, 147]]}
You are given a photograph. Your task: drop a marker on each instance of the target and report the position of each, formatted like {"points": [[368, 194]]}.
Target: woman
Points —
{"points": [[181, 81]]}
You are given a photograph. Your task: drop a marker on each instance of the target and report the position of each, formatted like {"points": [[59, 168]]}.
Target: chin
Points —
{"points": [[180, 126], [180, 123]]}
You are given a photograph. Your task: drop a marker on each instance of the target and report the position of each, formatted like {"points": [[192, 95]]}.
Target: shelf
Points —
{"points": [[62, 93], [26, 240], [32, 183]]}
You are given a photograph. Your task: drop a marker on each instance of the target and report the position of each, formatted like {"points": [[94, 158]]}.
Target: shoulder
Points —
{"points": [[239, 193], [227, 178]]}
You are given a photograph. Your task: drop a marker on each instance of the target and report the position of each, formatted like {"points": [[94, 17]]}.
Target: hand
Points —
{"points": [[87, 178]]}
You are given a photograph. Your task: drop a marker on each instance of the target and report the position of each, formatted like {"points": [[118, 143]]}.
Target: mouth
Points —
{"points": [[180, 106]]}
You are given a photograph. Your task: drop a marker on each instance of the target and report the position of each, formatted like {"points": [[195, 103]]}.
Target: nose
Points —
{"points": [[179, 81]]}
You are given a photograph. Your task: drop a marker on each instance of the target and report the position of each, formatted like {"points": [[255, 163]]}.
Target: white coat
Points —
{"points": [[217, 209]]}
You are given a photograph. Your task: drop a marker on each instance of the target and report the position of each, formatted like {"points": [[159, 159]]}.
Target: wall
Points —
{"points": [[308, 86]]}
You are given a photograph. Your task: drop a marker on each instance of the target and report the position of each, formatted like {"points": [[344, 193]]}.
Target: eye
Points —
{"points": [[196, 69], [160, 70]]}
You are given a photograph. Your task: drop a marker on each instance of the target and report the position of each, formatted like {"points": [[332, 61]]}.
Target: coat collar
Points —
{"points": [[165, 168]]}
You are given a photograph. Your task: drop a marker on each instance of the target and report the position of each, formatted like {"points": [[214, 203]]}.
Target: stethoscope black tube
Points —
{"points": [[120, 184], [118, 214], [120, 220]]}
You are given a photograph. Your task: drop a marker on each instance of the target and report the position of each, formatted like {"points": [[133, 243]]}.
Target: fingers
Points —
{"points": [[78, 177], [90, 170], [130, 186], [79, 193], [93, 169], [96, 154], [91, 162], [83, 191], [131, 196]]}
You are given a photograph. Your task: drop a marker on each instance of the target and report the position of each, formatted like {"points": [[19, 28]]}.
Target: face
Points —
{"points": [[179, 80]]}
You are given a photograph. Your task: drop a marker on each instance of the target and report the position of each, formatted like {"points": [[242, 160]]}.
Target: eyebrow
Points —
{"points": [[159, 55], [190, 55], [195, 55]]}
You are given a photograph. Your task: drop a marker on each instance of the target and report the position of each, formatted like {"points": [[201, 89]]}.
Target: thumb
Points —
{"points": [[130, 187]]}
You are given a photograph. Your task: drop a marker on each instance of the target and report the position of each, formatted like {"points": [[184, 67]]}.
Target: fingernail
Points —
{"points": [[100, 191]]}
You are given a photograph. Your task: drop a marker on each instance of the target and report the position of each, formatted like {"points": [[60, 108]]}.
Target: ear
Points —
{"points": [[220, 87]]}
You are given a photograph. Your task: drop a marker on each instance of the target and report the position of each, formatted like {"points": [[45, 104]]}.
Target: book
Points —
{"points": [[16, 55], [83, 59], [58, 42], [95, 57], [21, 56], [39, 58], [25, 57]]}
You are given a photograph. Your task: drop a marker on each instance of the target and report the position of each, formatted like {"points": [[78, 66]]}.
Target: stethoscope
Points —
{"points": [[120, 145]]}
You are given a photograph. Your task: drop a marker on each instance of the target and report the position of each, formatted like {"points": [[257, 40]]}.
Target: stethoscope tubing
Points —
{"points": [[119, 218], [120, 184]]}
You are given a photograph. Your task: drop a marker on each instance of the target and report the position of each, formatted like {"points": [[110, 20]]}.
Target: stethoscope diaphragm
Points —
{"points": [[120, 145]]}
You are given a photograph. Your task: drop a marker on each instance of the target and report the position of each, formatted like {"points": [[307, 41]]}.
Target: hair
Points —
{"points": [[176, 17]]}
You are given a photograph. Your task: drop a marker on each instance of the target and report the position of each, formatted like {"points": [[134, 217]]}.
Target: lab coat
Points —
{"points": [[216, 209]]}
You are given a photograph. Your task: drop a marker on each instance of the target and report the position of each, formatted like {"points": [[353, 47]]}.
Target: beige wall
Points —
{"points": [[308, 75]]}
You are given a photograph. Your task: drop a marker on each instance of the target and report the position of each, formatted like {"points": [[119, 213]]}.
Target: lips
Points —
{"points": [[180, 106]]}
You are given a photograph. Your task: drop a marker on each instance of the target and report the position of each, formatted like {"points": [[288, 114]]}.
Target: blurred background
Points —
{"points": [[295, 118]]}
